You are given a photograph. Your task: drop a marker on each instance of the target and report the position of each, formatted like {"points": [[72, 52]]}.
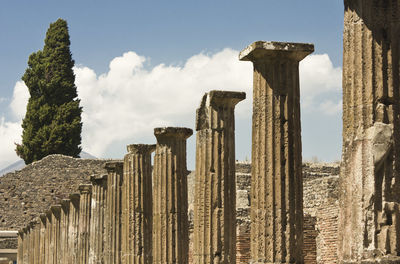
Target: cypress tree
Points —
{"points": [[52, 124]]}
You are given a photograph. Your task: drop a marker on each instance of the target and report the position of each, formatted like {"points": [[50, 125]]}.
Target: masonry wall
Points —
{"points": [[27, 192]]}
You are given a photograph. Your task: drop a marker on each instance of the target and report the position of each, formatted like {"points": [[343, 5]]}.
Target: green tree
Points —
{"points": [[52, 124]]}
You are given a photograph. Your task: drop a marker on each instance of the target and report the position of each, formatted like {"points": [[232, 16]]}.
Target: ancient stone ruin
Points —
{"points": [[129, 212]]}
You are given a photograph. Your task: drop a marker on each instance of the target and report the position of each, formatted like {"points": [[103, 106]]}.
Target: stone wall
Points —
{"points": [[27, 192], [321, 209]]}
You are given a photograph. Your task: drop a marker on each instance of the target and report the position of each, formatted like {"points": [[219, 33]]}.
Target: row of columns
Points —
{"points": [[124, 217]]}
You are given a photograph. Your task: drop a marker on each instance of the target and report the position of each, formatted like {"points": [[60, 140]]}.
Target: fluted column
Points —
{"points": [[36, 240], [277, 188], [137, 211], [85, 191], [42, 252], [55, 237], [98, 210], [25, 244], [114, 212], [20, 252], [215, 185], [49, 237], [31, 253], [170, 202], [73, 229], [369, 219], [64, 219]]}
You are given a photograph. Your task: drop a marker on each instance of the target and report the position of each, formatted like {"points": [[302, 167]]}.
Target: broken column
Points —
{"points": [[113, 215], [215, 188], [85, 191], [137, 211], [170, 202], [276, 190], [73, 229], [98, 210], [369, 220]]}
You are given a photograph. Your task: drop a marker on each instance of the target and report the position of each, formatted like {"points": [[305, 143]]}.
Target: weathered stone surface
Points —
{"points": [[170, 220], [85, 202], [26, 193], [277, 201], [137, 205], [114, 212], [215, 187], [97, 215], [73, 228], [369, 224]]}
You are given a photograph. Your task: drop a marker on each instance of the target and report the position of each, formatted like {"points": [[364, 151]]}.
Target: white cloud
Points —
{"points": [[318, 77], [128, 101], [19, 100], [10, 132]]}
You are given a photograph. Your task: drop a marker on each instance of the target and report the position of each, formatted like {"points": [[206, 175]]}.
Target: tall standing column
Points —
{"points": [[137, 205], [55, 237], [114, 212], [170, 203], [43, 224], [48, 238], [369, 219], [73, 229], [277, 188], [215, 188], [65, 203], [96, 251], [20, 252], [85, 191]]}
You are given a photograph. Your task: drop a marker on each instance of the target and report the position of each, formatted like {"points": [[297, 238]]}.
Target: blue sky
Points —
{"points": [[184, 39]]}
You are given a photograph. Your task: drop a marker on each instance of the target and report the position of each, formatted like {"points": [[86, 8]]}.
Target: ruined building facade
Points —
{"points": [[128, 215]]}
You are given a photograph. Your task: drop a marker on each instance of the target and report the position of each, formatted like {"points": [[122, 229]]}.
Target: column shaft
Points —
{"points": [[43, 223], [137, 205], [65, 203], [96, 251], [114, 212], [85, 201], [369, 220], [170, 222], [276, 190], [73, 229], [20, 253], [215, 185]]}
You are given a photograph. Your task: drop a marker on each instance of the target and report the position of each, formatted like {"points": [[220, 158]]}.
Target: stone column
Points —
{"points": [[36, 240], [277, 188], [137, 211], [25, 245], [170, 202], [73, 232], [31, 253], [114, 212], [85, 191], [369, 220], [65, 203], [55, 238], [43, 239], [20, 252], [49, 237], [96, 249], [215, 185]]}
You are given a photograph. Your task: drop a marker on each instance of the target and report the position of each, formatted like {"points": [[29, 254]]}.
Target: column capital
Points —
{"points": [[98, 178], [217, 99], [65, 203], [172, 132], [261, 50], [85, 188], [141, 148], [112, 166], [43, 217], [56, 210]]}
